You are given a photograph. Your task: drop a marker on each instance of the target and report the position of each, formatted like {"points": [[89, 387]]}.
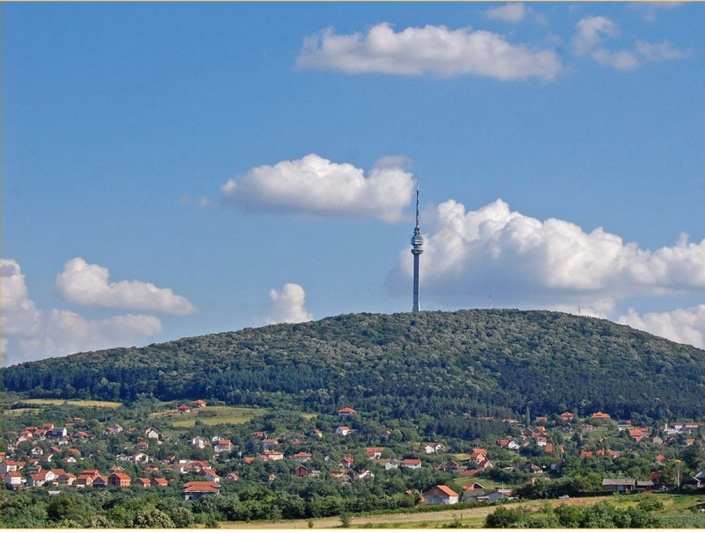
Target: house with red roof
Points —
{"points": [[195, 489], [411, 463]]}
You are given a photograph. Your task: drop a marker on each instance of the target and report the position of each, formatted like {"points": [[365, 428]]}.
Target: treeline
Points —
{"points": [[166, 508], [602, 515], [495, 363]]}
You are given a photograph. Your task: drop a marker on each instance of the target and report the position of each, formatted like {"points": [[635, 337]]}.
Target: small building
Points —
{"points": [[301, 471], [411, 463], [440, 494], [342, 431], [374, 453], [100, 482], [600, 416], [618, 484], [224, 445], [14, 480], [195, 489]]}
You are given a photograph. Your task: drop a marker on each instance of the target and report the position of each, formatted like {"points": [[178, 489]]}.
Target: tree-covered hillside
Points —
{"points": [[438, 364]]}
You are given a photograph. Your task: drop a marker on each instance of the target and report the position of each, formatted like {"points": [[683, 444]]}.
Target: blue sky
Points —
{"points": [[177, 169]]}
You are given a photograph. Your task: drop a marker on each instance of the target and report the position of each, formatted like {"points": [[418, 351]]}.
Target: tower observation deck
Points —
{"points": [[416, 251]]}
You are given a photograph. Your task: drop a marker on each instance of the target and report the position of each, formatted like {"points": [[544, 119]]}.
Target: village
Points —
{"points": [[54, 455]]}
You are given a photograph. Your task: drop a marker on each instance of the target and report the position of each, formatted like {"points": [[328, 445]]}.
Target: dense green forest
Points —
{"points": [[499, 363]]}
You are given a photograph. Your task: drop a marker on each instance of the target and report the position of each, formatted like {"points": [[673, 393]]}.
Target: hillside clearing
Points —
{"points": [[209, 416]]}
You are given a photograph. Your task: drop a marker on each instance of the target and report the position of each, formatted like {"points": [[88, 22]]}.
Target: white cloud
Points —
{"points": [[87, 284], [620, 60], [29, 333], [65, 332], [663, 51], [434, 50], [469, 254], [318, 187], [286, 306], [651, 9], [686, 326], [17, 312], [511, 12], [592, 31]]}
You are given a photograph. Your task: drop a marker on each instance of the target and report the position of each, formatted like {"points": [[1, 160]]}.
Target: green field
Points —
{"points": [[210, 416], [40, 402], [677, 507]]}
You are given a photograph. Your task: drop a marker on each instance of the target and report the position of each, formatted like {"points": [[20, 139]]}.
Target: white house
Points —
{"points": [[342, 431]]}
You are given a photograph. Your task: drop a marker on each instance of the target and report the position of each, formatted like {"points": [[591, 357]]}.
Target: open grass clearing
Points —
{"points": [[473, 517], [21, 411], [209, 416], [674, 505], [78, 403]]}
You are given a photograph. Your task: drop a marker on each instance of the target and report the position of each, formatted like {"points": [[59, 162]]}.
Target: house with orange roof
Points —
{"points": [[346, 411], [303, 457], [100, 482], [440, 494], [119, 479], [223, 445], [14, 480], [342, 431], [374, 453], [411, 463], [600, 416], [195, 489]]}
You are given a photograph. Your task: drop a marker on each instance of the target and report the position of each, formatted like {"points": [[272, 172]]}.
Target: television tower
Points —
{"points": [[416, 251]]}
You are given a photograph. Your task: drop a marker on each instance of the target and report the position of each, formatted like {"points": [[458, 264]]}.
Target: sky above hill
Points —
{"points": [[177, 169]]}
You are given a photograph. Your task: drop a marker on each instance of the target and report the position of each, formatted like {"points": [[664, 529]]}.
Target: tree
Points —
{"points": [[152, 518], [504, 517]]}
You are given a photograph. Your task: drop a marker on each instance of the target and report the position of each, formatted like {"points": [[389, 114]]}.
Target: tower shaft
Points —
{"points": [[416, 251], [416, 308]]}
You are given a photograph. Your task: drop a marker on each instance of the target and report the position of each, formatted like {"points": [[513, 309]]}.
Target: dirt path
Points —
{"points": [[418, 519]]}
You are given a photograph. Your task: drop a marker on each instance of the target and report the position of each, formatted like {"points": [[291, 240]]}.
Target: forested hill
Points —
{"points": [[485, 362]]}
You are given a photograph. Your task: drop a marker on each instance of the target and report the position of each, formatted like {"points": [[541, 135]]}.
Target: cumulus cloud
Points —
{"points": [[29, 333], [64, 332], [286, 305], [431, 50], [17, 312], [686, 326], [468, 253], [87, 284], [318, 187], [511, 12], [591, 32]]}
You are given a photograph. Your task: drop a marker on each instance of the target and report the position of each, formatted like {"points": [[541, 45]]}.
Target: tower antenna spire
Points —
{"points": [[416, 251]]}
